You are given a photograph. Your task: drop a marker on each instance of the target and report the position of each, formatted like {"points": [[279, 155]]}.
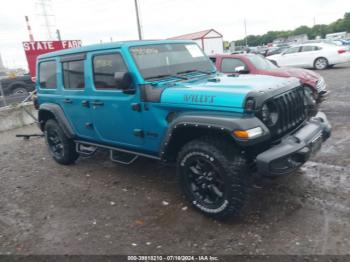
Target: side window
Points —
{"points": [[228, 65], [47, 74], [292, 50], [309, 48], [73, 74], [105, 66]]}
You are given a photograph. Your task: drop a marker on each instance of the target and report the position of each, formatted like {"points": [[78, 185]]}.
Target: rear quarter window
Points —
{"points": [[47, 74]]}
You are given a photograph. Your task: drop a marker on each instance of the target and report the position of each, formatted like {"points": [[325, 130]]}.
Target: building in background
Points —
{"points": [[211, 41]]}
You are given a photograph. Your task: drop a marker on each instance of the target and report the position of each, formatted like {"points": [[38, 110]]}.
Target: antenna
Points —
{"points": [[139, 28], [31, 37], [45, 7]]}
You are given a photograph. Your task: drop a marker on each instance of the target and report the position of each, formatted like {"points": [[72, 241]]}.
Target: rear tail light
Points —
{"points": [[341, 51]]}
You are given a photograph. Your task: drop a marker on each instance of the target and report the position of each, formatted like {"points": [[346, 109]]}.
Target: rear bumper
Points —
{"points": [[295, 149]]}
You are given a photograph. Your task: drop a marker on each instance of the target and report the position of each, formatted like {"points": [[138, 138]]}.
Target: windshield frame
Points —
{"points": [[146, 79]]}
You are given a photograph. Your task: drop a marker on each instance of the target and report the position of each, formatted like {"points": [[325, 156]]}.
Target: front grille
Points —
{"points": [[291, 111]]}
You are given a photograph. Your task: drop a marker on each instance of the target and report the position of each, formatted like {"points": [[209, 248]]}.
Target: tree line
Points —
{"points": [[341, 25]]}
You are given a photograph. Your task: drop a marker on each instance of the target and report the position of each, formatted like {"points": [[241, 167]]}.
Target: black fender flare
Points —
{"points": [[50, 110], [216, 122]]}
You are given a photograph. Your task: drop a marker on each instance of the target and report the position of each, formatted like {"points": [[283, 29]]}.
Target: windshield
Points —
{"points": [[162, 60], [262, 63]]}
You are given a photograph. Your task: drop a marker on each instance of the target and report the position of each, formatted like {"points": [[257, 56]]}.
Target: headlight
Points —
{"points": [[249, 105], [321, 85], [269, 114], [309, 101], [309, 97]]}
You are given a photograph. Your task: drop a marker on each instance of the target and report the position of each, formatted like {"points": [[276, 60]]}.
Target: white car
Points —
{"points": [[313, 55]]}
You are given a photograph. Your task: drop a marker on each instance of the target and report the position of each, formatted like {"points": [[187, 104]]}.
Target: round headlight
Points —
{"points": [[269, 114], [309, 101]]}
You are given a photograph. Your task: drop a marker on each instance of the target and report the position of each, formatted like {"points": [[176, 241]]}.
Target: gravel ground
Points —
{"points": [[98, 207]]}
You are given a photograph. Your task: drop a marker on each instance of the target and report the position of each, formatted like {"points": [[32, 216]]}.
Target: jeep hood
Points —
{"points": [[224, 91]]}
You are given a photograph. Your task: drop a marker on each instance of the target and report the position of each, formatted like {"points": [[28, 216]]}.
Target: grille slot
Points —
{"points": [[291, 111]]}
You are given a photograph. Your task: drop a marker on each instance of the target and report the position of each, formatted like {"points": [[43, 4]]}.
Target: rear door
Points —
{"points": [[74, 99], [117, 119], [309, 54]]}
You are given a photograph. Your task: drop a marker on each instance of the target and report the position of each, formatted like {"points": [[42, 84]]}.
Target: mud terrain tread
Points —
{"points": [[70, 155], [234, 164]]}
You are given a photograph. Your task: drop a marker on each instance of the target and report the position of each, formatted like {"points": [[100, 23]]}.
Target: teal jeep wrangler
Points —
{"points": [[164, 100]]}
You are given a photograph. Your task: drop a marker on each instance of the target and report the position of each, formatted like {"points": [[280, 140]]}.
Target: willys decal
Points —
{"points": [[201, 99]]}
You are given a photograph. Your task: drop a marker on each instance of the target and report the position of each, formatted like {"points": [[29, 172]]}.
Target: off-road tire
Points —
{"points": [[231, 165], [321, 63], [67, 154]]}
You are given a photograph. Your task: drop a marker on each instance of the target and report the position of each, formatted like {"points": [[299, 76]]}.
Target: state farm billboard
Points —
{"points": [[35, 48]]}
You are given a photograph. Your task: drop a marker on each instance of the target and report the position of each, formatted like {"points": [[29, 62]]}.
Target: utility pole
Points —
{"points": [[45, 6], [138, 19], [58, 33], [245, 32]]}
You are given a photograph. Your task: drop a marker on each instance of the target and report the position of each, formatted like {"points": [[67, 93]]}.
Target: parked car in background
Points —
{"points": [[19, 85], [3, 75], [275, 50], [314, 55], [256, 64], [343, 43]]}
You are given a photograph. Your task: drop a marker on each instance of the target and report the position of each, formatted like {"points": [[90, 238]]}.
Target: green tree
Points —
{"points": [[339, 25]]}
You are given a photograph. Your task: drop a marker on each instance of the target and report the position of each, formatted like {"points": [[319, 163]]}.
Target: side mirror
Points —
{"points": [[123, 80], [241, 70]]}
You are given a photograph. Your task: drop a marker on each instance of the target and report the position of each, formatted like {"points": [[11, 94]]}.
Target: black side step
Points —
{"points": [[85, 150], [122, 157]]}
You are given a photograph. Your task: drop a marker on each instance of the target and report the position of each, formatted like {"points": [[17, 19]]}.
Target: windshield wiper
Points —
{"points": [[156, 77], [163, 76], [194, 71]]}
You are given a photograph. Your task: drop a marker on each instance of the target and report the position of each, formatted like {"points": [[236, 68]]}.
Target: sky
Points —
{"points": [[93, 21]]}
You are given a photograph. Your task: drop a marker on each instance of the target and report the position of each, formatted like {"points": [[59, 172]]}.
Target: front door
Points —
{"points": [[74, 100], [115, 115], [290, 57]]}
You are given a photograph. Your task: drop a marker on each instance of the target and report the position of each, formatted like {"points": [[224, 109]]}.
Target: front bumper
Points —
{"points": [[295, 149]]}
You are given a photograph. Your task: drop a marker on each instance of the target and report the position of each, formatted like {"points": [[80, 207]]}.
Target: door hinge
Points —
{"points": [[139, 133]]}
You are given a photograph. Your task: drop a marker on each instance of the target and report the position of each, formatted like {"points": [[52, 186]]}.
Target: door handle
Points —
{"points": [[85, 103], [97, 103], [68, 101]]}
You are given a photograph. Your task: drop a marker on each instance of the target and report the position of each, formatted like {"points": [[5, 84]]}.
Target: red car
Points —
{"points": [[256, 64]]}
